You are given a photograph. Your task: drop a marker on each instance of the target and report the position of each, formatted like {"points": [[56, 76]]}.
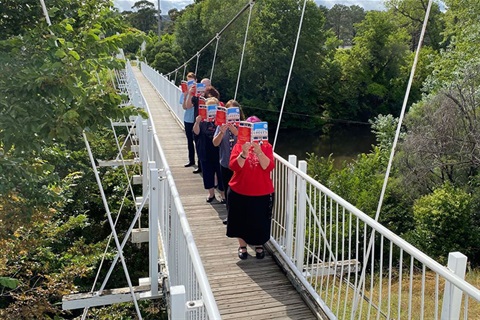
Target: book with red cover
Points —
{"points": [[185, 85], [252, 132], [244, 132], [221, 116], [202, 109]]}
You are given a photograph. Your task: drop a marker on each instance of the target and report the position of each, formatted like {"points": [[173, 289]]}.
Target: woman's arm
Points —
{"points": [[217, 139], [262, 158], [196, 126]]}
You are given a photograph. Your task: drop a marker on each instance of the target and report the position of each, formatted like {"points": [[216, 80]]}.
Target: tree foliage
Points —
{"points": [[51, 87], [341, 20], [445, 222], [57, 82]]}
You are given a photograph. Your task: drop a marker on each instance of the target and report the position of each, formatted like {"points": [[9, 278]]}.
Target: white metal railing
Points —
{"points": [[190, 295], [167, 90], [327, 240], [351, 266]]}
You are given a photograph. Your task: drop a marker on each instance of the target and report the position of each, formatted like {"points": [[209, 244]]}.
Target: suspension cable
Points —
{"points": [[243, 49], [290, 73], [214, 38], [196, 65], [214, 57], [394, 145]]}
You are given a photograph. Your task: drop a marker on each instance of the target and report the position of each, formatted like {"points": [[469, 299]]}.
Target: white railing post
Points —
{"points": [[153, 210], [301, 212], [144, 157], [290, 207], [452, 297], [178, 302]]}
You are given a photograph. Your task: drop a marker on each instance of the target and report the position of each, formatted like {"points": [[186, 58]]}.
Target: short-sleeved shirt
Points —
{"points": [[226, 146]]}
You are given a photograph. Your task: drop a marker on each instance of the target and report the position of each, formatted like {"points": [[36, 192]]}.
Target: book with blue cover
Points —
{"points": [[211, 113], [233, 115]]}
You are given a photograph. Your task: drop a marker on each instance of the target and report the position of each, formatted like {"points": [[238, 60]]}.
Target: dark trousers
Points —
{"points": [[226, 176], [209, 169], [191, 147]]}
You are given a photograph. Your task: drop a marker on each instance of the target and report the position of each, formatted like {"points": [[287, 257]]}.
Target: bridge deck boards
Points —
{"points": [[243, 289]]}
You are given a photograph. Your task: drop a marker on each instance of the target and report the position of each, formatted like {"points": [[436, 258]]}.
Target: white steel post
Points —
{"points": [[153, 228], [178, 302], [290, 207], [301, 212], [144, 157], [452, 297]]}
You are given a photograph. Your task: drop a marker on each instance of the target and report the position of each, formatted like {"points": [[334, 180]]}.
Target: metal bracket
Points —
{"points": [[194, 304]]}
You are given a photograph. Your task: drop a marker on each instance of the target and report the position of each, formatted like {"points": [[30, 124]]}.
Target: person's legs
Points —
{"points": [[195, 139], [226, 174], [209, 179], [190, 145]]}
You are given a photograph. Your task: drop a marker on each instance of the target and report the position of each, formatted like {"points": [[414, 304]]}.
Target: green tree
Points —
{"points": [[444, 223], [144, 16], [269, 56], [370, 69], [342, 19], [410, 15], [51, 86]]}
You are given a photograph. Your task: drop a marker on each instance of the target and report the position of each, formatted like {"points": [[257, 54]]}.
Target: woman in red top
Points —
{"points": [[250, 197]]}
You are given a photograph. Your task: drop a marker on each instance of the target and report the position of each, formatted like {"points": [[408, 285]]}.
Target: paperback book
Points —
{"points": [[211, 113], [221, 116], [252, 132], [202, 109], [233, 115], [200, 89], [186, 84]]}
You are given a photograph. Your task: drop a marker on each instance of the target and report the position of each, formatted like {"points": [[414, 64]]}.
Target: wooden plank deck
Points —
{"points": [[243, 289]]}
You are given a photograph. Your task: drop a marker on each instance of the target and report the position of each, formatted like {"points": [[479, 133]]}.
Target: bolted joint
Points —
{"points": [[194, 304]]}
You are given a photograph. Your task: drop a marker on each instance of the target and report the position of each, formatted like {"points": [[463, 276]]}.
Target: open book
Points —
{"points": [[252, 132], [185, 85]]}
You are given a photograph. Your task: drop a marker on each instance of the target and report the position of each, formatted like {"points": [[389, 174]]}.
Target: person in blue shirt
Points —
{"points": [[189, 121]]}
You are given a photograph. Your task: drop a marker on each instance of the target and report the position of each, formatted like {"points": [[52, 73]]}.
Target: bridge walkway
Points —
{"points": [[243, 289]]}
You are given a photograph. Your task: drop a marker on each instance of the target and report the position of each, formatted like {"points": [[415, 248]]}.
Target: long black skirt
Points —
{"points": [[249, 217]]}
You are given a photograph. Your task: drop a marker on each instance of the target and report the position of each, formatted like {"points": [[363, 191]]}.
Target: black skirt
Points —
{"points": [[249, 217]]}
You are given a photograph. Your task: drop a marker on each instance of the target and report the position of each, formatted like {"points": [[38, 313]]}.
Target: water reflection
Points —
{"points": [[344, 143]]}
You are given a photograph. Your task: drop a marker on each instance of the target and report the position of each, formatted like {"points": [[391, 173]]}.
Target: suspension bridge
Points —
{"points": [[317, 266], [326, 259]]}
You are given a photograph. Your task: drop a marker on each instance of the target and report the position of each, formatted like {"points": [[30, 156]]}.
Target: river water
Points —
{"points": [[344, 143]]}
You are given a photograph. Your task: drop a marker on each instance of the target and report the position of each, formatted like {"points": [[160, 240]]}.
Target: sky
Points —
{"points": [[166, 5]]}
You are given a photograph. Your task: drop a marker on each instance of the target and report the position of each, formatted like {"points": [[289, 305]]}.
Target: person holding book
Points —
{"points": [[195, 100], [225, 138], [251, 195], [208, 154], [189, 116]]}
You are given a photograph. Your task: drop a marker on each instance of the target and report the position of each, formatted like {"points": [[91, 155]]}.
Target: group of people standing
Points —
{"points": [[241, 172]]}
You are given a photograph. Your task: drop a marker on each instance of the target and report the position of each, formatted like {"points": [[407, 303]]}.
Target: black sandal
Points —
{"points": [[210, 199], [242, 255], [259, 252]]}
